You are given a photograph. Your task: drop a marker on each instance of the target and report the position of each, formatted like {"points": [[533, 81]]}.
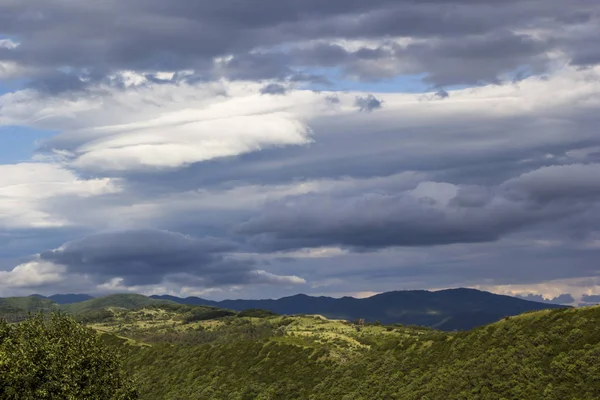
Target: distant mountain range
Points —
{"points": [[453, 309]]}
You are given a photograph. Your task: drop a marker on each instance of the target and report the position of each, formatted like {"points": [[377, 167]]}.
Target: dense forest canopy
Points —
{"points": [[552, 355]]}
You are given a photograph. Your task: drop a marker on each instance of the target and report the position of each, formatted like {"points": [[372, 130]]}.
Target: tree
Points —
{"points": [[57, 358]]}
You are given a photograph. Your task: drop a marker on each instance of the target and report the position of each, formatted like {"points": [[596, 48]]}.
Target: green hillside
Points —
{"points": [[177, 351], [127, 301], [541, 355]]}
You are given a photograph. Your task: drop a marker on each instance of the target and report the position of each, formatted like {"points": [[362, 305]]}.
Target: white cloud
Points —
{"points": [[31, 275], [188, 143], [272, 279], [8, 44], [440, 192], [26, 188], [9, 70], [150, 128], [576, 287]]}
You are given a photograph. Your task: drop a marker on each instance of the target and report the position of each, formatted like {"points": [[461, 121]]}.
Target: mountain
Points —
{"points": [[69, 298], [453, 309], [65, 298]]}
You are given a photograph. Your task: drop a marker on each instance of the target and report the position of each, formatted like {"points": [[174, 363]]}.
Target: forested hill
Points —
{"points": [[176, 351], [551, 355], [454, 309]]}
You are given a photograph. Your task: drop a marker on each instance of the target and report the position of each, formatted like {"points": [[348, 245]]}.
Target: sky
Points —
{"points": [[266, 148]]}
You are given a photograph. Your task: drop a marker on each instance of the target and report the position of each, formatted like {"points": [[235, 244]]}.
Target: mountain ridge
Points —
{"points": [[449, 309]]}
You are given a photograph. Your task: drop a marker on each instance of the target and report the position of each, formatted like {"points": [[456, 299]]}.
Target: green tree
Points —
{"points": [[57, 358]]}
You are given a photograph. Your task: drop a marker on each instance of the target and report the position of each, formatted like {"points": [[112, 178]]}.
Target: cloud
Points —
{"points": [[454, 41], [8, 44], [591, 298], [32, 275], [188, 143], [494, 185], [332, 99], [152, 257], [433, 213], [26, 190], [133, 138], [442, 94], [564, 298], [483, 168], [273, 88], [579, 287], [557, 182], [368, 103], [123, 123]]}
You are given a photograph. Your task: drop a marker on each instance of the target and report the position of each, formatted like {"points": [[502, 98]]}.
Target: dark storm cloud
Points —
{"points": [[557, 182], [465, 41], [144, 257], [564, 298], [476, 59], [373, 221], [432, 214]]}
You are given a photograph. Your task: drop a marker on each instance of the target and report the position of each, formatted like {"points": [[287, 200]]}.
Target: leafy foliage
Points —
{"points": [[58, 359]]}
